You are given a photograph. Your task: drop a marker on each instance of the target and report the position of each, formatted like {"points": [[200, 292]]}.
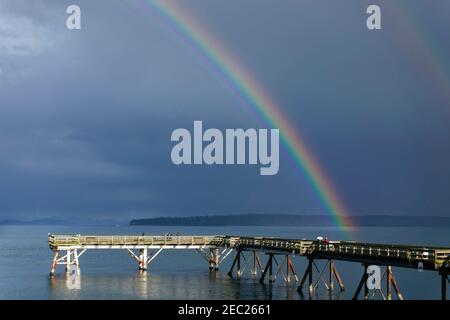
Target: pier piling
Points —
{"points": [[145, 249], [444, 280], [362, 282]]}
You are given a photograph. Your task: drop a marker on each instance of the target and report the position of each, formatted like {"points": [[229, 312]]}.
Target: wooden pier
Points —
{"points": [[279, 252]]}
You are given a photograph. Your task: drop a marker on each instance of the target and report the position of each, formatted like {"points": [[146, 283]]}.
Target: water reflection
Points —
{"points": [[182, 275], [73, 282], [142, 283], [146, 285], [73, 278]]}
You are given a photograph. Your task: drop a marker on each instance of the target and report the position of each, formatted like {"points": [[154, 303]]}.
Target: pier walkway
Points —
{"points": [[247, 250]]}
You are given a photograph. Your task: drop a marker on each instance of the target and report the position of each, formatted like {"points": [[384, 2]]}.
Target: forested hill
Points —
{"points": [[294, 220]]}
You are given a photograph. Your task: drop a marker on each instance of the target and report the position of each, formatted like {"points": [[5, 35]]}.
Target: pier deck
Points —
{"points": [[220, 247], [64, 242]]}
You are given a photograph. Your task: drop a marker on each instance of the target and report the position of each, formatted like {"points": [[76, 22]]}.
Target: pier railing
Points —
{"points": [[56, 241], [431, 258], [145, 248], [292, 245]]}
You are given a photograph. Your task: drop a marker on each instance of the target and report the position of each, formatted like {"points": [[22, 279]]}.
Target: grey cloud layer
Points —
{"points": [[86, 117]]}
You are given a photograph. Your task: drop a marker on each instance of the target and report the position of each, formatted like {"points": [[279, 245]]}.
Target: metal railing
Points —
{"points": [[56, 241], [431, 257]]}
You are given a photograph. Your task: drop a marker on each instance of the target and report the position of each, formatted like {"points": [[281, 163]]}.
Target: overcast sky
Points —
{"points": [[86, 116]]}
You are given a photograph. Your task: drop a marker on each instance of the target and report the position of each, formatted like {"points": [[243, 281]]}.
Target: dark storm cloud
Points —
{"points": [[86, 116]]}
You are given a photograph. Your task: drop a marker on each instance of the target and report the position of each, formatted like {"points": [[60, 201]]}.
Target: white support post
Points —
{"points": [[216, 259], [223, 257], [204, 254], [154, 255], [133, 255], [68, 261], [211, 259], [76, 261], [143, 259]]}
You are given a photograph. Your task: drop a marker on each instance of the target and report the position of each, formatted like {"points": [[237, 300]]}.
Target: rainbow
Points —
{"points": [[243, 83], [422, 46]]}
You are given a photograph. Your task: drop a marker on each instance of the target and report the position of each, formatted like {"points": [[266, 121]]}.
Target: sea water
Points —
{"points": [[25, 261]]}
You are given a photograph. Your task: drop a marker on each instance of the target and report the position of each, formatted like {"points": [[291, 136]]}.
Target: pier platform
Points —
{"points": [[248, 251]]}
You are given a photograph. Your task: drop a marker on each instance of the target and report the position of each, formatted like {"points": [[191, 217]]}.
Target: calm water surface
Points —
{"points": [[183, 274]]}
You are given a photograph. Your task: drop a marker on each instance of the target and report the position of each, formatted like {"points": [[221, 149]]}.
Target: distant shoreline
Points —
{"points": [[254, 220], [294, 220]]}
